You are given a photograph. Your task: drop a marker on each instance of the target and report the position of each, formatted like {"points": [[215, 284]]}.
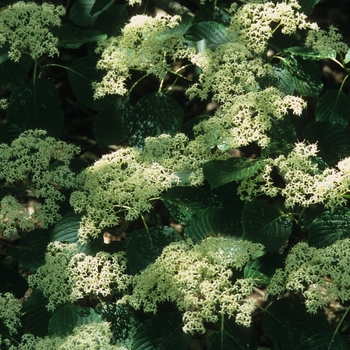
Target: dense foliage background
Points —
{"points": [[115, 236]]}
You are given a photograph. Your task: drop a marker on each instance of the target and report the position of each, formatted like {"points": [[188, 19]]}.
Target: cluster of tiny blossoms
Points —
{"points": [[96, 335], [247, 119], [38, 166], [69, 275], [255, 21], [145, 44], [329, 43], [127, 180], [198, 279], [321, 275], [228, 71], [305, 183], [10, 309], [25, 26]]}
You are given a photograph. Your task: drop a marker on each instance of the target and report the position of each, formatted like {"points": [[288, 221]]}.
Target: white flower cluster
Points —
{"points": [[96, 335], [255, 22], [145, 44], [305, 182], [10, 309], [26, 27], [198, 279], [34, 166], [69, 275], [127, 180], [321, 275]]}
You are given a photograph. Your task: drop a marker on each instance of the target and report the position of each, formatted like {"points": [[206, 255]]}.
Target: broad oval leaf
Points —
{"points": [[262, 223], [329, 226], [114, 123], [220, 172], [145, 246], [66, 230], [306, 75], [9, 132], [36, 105], [326, 340], [11, 72], [333, 106], [309, 54], [122, 322], [210, 12], [162, 331], [212, 33], [262, 268], [287, 323], [285, 81], [333, 140], [72, 37], [112, 21], [85, 12], [30, 251], [213, 221], [35, 316], [81, 74], [69, 316], [155, 114], [183, 202]]}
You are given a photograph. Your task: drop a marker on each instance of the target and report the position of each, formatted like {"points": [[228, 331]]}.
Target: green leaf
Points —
{"points": [[36, 105], [326, 340], [210, 12], [333, 140], [12, 73], [262, 223], [183, 202], [283, 136], [112, 21], [35, 316], [114, 123], [161, 332], [213, 34], [182, 27], [85, 12], [232, 336], [211, 222], [307, 6], [306, 75], [12, 281], [98, 6], [187, 128], [287, 323], [145, 246], [66, 230], [156, 114], [69, 316], [30, 251], [220, 172], [262, 268], [81, 74], [333, 106], [329, 227], [122, 322], [285, 81], [347, 57], [309, 54], [72, 37], [9, 132]]}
